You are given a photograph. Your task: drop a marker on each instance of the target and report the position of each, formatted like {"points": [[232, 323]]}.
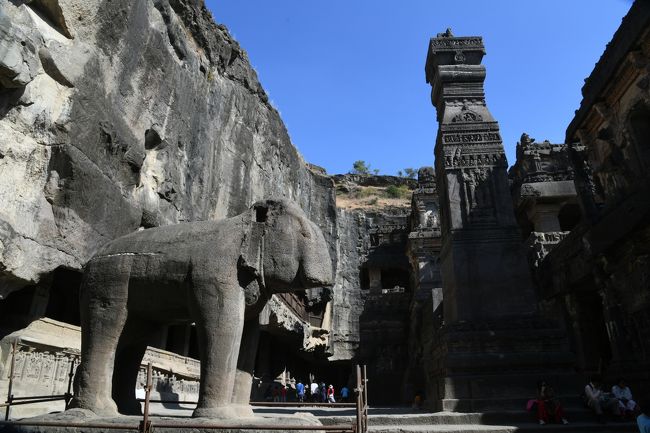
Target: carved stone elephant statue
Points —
{"points": [[213, 273]]}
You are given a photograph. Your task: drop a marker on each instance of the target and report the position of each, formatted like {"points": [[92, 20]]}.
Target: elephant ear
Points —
{"points": [[249, 267]]}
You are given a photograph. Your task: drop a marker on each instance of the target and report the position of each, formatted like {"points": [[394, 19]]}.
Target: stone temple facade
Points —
{"points": [[471, 285], [591, 251]]}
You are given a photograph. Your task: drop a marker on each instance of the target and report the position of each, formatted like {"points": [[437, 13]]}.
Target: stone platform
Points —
{"points": [[381, 420], [404, 420], [85, 421]]}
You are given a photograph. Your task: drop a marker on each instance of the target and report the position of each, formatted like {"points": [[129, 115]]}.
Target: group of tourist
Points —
{"points": [[618, 403], [315, 392], [320, 393]]}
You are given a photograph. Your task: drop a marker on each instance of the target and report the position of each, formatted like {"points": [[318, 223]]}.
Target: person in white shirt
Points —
{"points": [[623, 394], [598, 400], [314, 388]]}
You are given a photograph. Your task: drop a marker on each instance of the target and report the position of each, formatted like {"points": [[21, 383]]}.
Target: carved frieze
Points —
{"points": [[452, 43], [540, 162], [467, 116], [44, 371], [471, 137], [457, 157], [479, 201], [541, 243], [38, 371]]}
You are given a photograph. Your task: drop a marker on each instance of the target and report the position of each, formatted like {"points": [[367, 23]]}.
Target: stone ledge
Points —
{"points": [[81, 418]]}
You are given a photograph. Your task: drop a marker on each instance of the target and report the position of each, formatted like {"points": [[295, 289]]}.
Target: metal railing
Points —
{"points": [[361, 392], [146, 425], [12, 400]]}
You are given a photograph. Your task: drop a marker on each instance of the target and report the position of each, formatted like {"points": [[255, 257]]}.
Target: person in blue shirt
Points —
{"points": [[300, 390], [643, 420], [345, 393]]}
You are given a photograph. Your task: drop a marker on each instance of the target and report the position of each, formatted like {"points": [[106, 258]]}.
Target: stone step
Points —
{"points": [[572, 401], [518, 428], [446, 428], [455, 418]]}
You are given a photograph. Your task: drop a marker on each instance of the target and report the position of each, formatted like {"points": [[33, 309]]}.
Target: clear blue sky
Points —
{"points": [[348, 75]]}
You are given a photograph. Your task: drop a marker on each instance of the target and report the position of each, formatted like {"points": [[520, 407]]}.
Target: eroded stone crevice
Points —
{"points": [[51, 12], [160, 179], [19, 63], [174, 30]]}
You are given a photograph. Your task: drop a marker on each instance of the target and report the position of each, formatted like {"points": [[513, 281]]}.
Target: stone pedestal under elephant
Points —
{"points": [[214, 273]]}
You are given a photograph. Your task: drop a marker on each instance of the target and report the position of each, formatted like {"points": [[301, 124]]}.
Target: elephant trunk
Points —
{"points": [[316, 265]]}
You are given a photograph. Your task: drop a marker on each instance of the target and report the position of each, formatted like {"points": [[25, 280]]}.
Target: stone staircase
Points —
{"points": [[401, 420]]}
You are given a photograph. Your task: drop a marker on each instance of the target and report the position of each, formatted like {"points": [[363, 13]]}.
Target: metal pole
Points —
{"points": [[145, 426], [33, 401], [68, 394], [359, 392], [39, 397], [365, 399], [10, 396]]}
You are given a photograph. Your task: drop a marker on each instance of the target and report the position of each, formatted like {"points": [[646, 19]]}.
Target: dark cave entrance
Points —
{"points": [[63, 301]]}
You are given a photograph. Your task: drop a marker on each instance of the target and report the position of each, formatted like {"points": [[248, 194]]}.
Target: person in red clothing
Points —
{"points": [[276, 393], [283, 394], [330, 394], [548, 407]]}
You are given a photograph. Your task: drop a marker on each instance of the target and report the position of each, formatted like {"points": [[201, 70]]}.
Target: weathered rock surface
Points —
{"points": [[116, 115], [365, 229], [120, 115], [348, 298], [374, 180]]}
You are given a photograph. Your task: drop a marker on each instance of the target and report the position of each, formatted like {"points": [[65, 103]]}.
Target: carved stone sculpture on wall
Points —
{"points": [[217, 274]]}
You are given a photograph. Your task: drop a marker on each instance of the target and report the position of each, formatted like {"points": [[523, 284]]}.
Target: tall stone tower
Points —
{"points": [[493, 346]]}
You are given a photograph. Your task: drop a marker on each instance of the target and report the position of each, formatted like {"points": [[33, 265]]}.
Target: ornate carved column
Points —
{"points": [[493, 346], [484, 267]]}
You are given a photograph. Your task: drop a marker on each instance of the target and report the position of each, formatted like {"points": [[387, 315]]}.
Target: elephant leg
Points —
{"points": [[245, 365], [220, 319], [103, 314], [128, 359]]}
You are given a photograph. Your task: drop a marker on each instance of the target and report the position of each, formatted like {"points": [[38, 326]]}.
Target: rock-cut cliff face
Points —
{"points": [[120, 114]]}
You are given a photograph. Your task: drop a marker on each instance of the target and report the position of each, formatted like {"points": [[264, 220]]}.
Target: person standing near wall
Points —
{"points": [[323, 393], [345, 394], [315, 392], [300, 391], [283, 393], [330, 394]]}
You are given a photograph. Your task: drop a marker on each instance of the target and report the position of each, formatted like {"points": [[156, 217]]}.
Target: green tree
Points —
{"points": [[360, 167], [410, 172], [375, 171], [398, 191], [399, 173]]}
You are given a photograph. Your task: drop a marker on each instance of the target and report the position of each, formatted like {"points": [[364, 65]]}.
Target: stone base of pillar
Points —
{"points": [[496, 365]]}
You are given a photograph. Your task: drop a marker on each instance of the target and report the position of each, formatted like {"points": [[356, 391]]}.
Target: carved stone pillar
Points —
{"points": [[485, 273], [545, 217], [493, 346]]}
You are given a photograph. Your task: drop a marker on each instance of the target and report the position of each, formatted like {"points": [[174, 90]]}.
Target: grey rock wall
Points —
{"points": [[120, 114], [348, 297]]}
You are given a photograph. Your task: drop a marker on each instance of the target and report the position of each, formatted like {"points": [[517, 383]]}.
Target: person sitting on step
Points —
{"points": [[598, 400], [622, 393], [549, 408]]}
